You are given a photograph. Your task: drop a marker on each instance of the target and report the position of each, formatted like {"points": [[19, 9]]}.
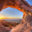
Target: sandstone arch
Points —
{"points": [[22, 6]]}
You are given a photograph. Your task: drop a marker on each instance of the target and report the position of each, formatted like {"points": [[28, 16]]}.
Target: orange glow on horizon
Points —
{"points": [[10, 18], [3, 17]]}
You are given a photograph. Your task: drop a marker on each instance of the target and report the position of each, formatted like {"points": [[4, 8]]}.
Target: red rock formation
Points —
{"points": [[25, 8], [22, 4], [6, 26]]}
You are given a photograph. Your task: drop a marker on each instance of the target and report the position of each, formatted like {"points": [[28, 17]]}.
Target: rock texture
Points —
{"points": [[6, 26], [26, 24], [22, 4]]}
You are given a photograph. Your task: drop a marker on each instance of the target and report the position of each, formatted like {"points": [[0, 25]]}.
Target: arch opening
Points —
{"points": [[11, 13]]}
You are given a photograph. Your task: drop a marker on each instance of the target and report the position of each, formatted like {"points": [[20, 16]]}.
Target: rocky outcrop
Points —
{"points": [[27, 16], [22, 4], [6, 26]]}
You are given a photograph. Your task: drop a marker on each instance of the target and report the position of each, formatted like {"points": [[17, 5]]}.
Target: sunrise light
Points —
{"points": [[1, 16]]}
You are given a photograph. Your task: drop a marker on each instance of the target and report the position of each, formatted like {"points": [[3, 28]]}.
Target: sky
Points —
{"points": [[11, 13], [29, 1]]}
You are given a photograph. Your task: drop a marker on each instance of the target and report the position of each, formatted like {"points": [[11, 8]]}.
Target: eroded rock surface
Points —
{"points": [[26, 24]]}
